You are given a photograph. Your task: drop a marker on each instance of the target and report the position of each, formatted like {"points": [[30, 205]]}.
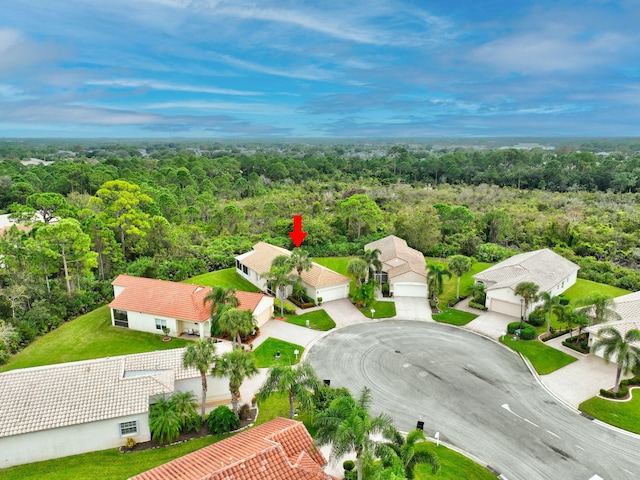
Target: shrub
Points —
{"points": [[512, 327], [477, 305], [222, 420], [536, 318], [348, 465], [623, 392], [528, 332], [244, 412], [289, 309], [563, 299], [555, 334], [130, 443]]}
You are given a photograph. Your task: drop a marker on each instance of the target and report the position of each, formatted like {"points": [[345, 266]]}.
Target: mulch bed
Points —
{"points": [[185, 437]]}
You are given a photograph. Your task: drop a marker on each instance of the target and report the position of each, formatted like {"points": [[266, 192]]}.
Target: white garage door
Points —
{"points": [[334, 293], [409, 289], [500, 306]]}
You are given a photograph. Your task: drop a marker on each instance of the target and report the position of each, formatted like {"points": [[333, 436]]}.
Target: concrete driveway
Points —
{"points": [[490, 324], [412, 308], [478, 394]]}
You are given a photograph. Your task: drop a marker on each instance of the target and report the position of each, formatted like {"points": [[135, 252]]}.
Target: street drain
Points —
{"points": [[398, 351]]}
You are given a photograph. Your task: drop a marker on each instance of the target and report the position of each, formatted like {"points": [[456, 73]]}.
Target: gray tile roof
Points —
{"points": [[398, 257], [628, 307], [41, 398], [543, 267]]}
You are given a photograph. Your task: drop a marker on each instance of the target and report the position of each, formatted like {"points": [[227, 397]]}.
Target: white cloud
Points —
{"points": [[156, 85], [17, 52]]}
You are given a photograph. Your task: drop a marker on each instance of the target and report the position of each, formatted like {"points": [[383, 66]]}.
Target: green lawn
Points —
{"points": [[382, 310], [454, 317], [587, 288], [453, 465], [338, 264], [625, 415], [544, 359], [466, 282], [86, 337], [318, 320], [266, 352], [227, 278]]}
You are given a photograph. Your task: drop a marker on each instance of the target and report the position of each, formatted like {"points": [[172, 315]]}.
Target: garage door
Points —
{"points": [[334, 293], [407, 289], [500, 306]]}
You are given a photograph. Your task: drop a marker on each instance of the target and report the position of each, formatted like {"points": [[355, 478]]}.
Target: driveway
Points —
{"points": [[412, 308], [490, 324], [478, 394]]}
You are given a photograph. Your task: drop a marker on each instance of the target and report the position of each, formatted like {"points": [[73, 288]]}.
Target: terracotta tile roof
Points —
{"points": [[42, 398], [398, 257], [260, 258], [183, 301], [281, 449], [543, 267]]}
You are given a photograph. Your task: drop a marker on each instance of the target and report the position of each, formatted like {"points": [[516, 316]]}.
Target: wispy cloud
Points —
{"points": [[157, 85]]}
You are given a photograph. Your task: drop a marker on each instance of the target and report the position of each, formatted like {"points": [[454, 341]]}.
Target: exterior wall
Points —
{"points": [[217, 389], [254, 277], [117, 290], [145, 322], [505, 295], [61, 442], [264, 311], [335, 292]]}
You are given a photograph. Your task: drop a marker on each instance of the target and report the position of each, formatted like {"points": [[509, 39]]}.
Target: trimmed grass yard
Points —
{"points": [[625, 415], [544, 359], [86, 337], [227, 278], [466, 282], [266, 352], [318, 320], [587, 288], [453, 465], [382, 310], [454, 317]]}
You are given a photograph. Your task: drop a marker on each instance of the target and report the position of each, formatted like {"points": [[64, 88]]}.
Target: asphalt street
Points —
{"points": [[478, 394]]}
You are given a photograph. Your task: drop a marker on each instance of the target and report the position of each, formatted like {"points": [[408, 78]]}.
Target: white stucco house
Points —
{"points": [[403, 267], [69, 408], [319, 281], [550, 271], [150, 305], [628, 308]]}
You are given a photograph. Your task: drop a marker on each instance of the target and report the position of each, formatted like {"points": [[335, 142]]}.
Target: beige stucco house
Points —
{"points": [[319, 281], [628, 308], [403, 267], [150, 305], [550, 271], [69, 408]]}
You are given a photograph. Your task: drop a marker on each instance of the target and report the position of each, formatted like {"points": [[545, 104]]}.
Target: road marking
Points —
{"points": [[598, 477], [551, 433], [578, 446], [508, 409]]}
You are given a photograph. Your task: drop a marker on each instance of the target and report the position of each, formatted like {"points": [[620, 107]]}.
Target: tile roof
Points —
{"points": [[628, 307], [41, 398], [543, 267], [260, 258], [398, 257], [183, 301], [280, 449]]}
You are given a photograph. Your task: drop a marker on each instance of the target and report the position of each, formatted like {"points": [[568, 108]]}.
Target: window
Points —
{"points": [[120, 318], [245, 270], [128, 428], [238, 264], [160, 324]]}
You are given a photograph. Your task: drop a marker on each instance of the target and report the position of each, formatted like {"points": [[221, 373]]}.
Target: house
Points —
{"points": [[628, 307], [151, 305], [319, 281], [550, 271], [280, 449], [69, 408], [403, 267]]}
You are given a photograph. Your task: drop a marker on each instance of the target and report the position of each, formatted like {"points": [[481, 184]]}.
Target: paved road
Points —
{"points": [[480, 397]]}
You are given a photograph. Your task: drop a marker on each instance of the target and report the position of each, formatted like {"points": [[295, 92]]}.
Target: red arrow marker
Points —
{"points": [[297, 235]]}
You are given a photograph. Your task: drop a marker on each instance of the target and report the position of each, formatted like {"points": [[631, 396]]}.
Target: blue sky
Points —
{"points": [[283, 69]]}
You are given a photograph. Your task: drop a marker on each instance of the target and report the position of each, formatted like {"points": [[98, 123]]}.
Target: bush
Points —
{"points": [[563, 299], [555, 334], [130, 443], [579, 344], [348, 465], [623, 392], [222, 420], [536, 318], [528, 332], [477, 305], [244, 412], [512, 327], [289, 309]]}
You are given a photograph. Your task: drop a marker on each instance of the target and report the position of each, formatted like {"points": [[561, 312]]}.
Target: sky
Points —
{"points": [[370, 69]]}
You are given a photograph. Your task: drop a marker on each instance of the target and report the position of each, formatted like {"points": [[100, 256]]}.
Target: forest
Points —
{"points": [[173, 210]]}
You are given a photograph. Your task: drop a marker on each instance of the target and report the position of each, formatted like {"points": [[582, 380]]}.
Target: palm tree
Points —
{"points": [[164, 421], [459, 265], [405, 449], [600, 307], [185, 405], [357, 268], [371, 258], [201, 355], [348, 426], [299, 260], [529, 292], [299, 382], [478, 292], [550, 304], [238, 366], [621, 349], [237, 323], [279, 275], [221, 298], [435, 279]]}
